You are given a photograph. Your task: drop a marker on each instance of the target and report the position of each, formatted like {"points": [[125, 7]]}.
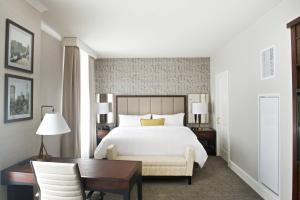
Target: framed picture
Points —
{"points": [[18, 98], [19, 45]]}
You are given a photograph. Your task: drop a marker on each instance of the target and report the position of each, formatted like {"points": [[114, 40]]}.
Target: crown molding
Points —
{"points": [[73, 41], [38, 5], [50, 31]]}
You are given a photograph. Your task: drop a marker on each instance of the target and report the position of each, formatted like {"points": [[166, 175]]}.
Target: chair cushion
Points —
{"points": [[157, 160]]}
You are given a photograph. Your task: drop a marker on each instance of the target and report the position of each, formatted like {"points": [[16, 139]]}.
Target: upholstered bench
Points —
{"points": [[160, 165]]}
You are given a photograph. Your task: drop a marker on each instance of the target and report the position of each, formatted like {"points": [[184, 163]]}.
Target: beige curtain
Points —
{"points": [[92, 106], [70, 145]]}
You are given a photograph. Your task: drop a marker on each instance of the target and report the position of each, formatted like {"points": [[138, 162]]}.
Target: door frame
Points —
{"points": [[226, 74], [295, 77]]}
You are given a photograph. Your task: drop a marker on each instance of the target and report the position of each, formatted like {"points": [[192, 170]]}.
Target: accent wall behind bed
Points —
{"points": [[152, 76]]}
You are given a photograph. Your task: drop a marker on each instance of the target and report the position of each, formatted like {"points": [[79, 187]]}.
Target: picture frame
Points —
{"points": [[19, 47], [18, 103]]}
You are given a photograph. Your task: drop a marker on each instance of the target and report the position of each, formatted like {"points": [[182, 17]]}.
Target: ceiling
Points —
{"points": [[153, 28]]}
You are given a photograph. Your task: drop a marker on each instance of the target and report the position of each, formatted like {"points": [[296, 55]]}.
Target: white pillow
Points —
{"points": [[171, 120], [132, 120]]}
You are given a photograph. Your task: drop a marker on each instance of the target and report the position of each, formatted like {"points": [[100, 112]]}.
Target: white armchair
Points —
{"points": [[60, 181]]}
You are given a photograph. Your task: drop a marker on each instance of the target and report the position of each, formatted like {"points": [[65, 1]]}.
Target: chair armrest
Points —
{"points": [[111, 152]]}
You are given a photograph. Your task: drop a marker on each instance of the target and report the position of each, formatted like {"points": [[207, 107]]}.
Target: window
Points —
{"points": [[84, 104]]}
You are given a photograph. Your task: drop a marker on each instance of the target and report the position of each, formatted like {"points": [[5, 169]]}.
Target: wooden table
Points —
{"points": [[97, 175]]}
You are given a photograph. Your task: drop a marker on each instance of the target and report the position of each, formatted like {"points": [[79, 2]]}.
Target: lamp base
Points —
{"points": [[42, 156], [199, 127]]}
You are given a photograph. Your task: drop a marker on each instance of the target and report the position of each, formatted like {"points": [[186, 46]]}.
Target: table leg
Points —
{"points": [[16, 192], [126, 195], [140, 188]]}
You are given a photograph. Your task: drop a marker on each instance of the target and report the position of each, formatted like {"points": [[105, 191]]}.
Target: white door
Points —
{"points": [[221, 106]]}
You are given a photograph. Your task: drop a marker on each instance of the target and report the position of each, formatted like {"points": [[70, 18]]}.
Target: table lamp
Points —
{"points": [[103, 109], [52, 124], [199, 109]]}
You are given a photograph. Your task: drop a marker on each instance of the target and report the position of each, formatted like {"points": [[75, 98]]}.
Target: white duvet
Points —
{"points": [[152, 140]]}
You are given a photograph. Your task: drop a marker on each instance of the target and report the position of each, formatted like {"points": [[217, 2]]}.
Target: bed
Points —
{"points": [[164, 150]]}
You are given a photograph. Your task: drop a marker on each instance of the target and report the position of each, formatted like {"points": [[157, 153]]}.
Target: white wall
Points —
{"points": [[51, 82], [240, 57], [18, 140]]}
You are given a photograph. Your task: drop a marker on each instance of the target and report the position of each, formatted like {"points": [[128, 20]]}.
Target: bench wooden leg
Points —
{"points": [[189, 180]]}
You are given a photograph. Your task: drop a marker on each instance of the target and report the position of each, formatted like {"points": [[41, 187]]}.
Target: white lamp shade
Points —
{"points": [[102, 108], [53, 124], [199, 108]]}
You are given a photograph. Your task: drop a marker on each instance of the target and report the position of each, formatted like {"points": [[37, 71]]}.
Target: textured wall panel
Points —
{"points": [[133, 106], [167, 105], [152, 76], [156, 105], [145, 106]]}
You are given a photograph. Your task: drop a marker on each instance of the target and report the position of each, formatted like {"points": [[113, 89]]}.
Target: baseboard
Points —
{"points": [[224, 154], [264, 192]]}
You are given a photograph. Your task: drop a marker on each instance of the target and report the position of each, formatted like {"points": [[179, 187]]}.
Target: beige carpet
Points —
{"points": [[215, 181]]}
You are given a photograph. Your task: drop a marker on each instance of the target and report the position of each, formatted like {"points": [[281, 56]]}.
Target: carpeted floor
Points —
{"points": [[215, 181]]}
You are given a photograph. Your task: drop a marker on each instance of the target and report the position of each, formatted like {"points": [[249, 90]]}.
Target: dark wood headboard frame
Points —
{"points": [[127, 96]]}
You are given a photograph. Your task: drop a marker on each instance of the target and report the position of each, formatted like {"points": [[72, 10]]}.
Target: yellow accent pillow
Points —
{"points": [[153, 122]]}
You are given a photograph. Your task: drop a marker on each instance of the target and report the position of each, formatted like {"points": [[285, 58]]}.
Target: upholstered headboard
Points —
{"points": [[154, 104]]}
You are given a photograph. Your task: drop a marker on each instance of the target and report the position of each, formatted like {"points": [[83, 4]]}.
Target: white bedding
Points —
{"points": [[152, 140]]}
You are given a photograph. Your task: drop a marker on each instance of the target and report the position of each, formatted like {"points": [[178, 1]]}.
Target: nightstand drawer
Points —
{"points": [[207, 137]]}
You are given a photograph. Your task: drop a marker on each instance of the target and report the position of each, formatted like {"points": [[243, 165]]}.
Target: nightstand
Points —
{"points": [[207, 137], [101, 133]]}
